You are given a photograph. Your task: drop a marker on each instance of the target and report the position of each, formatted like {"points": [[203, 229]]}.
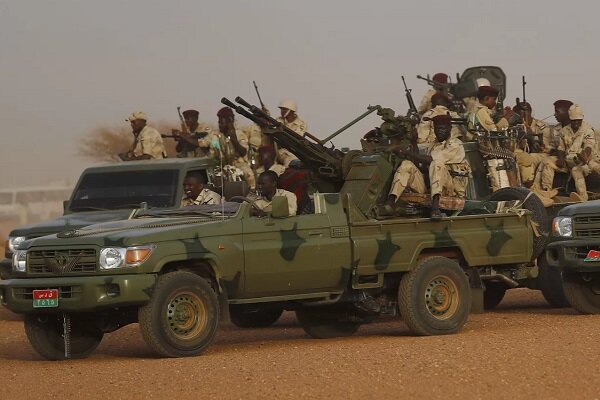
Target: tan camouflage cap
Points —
{"points": [[575, 112], [137, 115]]}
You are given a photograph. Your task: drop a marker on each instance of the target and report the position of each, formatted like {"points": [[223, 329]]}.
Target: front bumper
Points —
{"points": [[569, 255], [79, 294]]}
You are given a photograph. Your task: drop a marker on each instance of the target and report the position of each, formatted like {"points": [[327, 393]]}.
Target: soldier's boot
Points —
{"points": [[435, 207]]}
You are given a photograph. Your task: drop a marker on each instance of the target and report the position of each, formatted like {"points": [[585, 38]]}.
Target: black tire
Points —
{"points": [[182, 316], [493, 294], [435, 297], [533, 204], [46, 335], [254, 316], [550, 283], [583, 292], [321, 324]]}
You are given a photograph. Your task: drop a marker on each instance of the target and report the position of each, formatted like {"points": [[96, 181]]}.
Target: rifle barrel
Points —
{"points": [[370, 109]]}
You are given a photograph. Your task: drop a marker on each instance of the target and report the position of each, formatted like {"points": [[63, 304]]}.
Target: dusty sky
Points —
{"points": [[69, 66]]}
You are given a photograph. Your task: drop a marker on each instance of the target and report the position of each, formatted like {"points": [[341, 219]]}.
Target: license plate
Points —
{"points": [[45, 298], [592, 256]]}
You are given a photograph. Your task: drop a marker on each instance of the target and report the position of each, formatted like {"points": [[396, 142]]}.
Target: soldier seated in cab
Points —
{"points": [[448, 168]]}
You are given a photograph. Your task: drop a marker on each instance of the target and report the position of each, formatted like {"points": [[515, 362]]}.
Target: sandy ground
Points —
{"points": [[523, 349]]}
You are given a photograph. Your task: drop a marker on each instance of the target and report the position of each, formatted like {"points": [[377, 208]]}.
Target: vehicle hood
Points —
{"points": [[70, 222], [586, 207]]}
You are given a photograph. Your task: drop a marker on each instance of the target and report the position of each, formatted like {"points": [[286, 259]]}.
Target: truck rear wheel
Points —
{"points": [[533, 204], [583, 292], [46, 335], [493, 294], [254, 316], [435, 297], [182, 316], [324, 325]]}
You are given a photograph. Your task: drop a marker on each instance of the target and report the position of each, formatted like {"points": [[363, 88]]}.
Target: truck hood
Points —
{"points": [[134, 232], [586, 207], [70, 222]]}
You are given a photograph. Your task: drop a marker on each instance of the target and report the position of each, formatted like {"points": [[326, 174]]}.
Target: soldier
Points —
{"points": [[530, 156], [199, 142], [556, 161], [234, 146], [425, 104], [267, 161], [290, 119], [147, 142], [440, 103], [580, 139], [448, 168], [267, 187], [481, 116], [195, 192]]}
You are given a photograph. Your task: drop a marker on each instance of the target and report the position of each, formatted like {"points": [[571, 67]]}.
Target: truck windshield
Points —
{"points": [[125, 189]]}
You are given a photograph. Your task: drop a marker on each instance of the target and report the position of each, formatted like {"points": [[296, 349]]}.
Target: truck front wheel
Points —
{"points": [[46, 335], [583, 292], [435, 297], [182, 316]]}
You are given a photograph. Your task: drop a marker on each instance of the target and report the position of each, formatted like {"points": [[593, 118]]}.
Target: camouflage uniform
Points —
{"points": [[230, 156], [299, 126], [448, 157], [425, 103], [149, 142], [527, 162], [425, 132], [265, 205], [206, 196]]}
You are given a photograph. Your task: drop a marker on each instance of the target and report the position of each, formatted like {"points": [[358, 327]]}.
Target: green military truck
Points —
{"points": [[110, 193], [575, 252], [179, 272]]}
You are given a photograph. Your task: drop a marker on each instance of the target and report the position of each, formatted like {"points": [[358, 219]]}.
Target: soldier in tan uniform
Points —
{"points": [[481, 116], [267, 187], [195, 192], [448, 168], [425, 104], [290, 119], [580, 138], [147, 142], [199, 141], [440, 103], [267, 161], [234, 145]]}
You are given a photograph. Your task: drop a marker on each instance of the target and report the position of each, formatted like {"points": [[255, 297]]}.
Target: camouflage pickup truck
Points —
{"points": [[575, 251], [179, 272], [110, 193]]}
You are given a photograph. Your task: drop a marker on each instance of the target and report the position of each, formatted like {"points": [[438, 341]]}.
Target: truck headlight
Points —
{"points": [[20, 260], [562, 226], [112, 257], [13, 242], [116, 257]]}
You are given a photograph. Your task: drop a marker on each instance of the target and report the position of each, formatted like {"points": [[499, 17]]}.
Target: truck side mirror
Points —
{"points": [[279, 207]]}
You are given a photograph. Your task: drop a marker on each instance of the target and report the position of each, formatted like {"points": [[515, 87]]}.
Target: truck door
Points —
{"points": [[293, 255]]}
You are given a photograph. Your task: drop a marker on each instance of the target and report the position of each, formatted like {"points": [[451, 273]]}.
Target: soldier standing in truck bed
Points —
{"points": [[234, 145], [199, 142], [290, 118], [147, 142], [481, 115], [425, 104], [440, 103], [448, 168]]}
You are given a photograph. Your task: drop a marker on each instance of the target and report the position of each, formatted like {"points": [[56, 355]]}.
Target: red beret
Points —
{"points": [[225, 112], [440, 98], [487, 91], [190, 113], [440, 77], [563, 103], [443, 120]]}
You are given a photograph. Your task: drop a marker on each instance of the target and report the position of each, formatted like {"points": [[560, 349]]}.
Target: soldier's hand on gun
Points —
{"points": [[266, 110]]}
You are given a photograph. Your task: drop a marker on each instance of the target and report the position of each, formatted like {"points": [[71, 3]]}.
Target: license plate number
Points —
{"points": [[592, 256], [45, 298]]}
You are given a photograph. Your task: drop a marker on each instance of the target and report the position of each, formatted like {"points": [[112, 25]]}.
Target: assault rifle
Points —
{"points": [[413, 113]]}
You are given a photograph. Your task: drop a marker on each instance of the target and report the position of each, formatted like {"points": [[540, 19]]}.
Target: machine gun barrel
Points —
{"points": [[370, 109], [316, 157], [434, 83]]}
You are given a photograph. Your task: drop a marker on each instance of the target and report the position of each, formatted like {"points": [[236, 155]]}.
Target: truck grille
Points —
{"points": [[61, 262], [585, 227]]}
